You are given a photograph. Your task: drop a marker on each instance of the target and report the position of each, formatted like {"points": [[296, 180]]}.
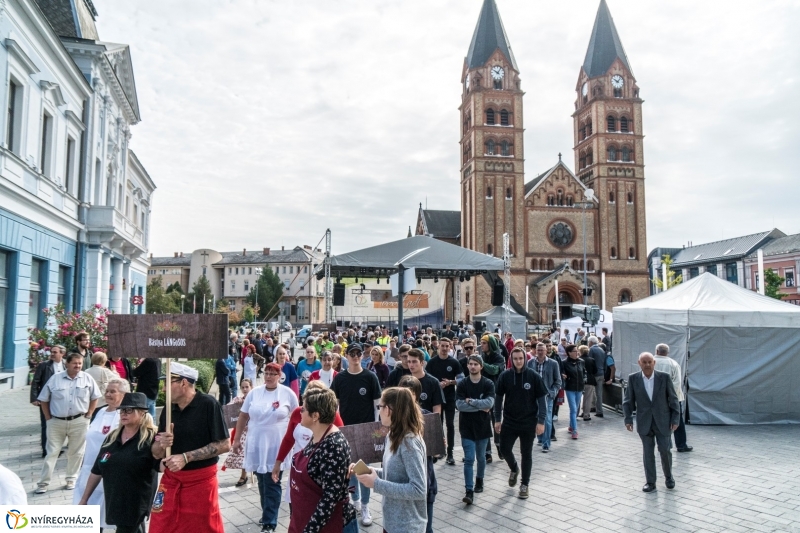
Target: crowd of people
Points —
{"points": [[293, 400]]}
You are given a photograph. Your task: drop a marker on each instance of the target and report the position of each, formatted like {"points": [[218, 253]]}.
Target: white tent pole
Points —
{"points": [[664, 276], [603, 288], [527, 292], [761, 283], [558, 317]]}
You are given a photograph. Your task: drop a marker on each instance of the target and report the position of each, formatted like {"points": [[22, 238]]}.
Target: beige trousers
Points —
{"points": [[58, 431]]}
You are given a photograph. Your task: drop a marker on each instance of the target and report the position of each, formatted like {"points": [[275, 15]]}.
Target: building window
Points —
{"points": [[694, 272], [570, 201], [204, 271], [550, 264], [490, 117], [574, 264], [625, 297], [582, 162], [612, 123], [626, 154], [551, 199], [284, 270], [246, 285], [631, 253], [589, 159], [13, 131], [490, 147], [233, 305], [590, 265], [712, 269], [249, 270], [35, 299], [613, 252], [237, 271], [505, 148], [611, 197], [69, 170], [612, 153], [508, 193], [230, 271], [498, 84], [630, 197], [617, 92], [588, 128], [560, 197], [47, 142], [301, 310], [623, 124], [504, 118], [788, 273], [305, 269], [61, 288], [233, 285], [488, 192], [466, 297], [4, 289], [489, 249]]}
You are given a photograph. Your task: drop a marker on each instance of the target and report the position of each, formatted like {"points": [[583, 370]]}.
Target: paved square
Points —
{"points": [[737, 479]]}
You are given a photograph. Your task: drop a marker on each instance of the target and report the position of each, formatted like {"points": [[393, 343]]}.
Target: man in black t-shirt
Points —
{"points": [[198, 436], [401, 368], [474, 399], [521, 416], [447, 370], [431, 397], [359, 392]]}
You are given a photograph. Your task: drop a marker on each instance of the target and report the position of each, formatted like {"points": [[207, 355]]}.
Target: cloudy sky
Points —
{"points": [[266, 122]]}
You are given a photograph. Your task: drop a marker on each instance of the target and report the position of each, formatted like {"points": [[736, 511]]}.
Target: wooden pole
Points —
{"points": [[168, 402]]}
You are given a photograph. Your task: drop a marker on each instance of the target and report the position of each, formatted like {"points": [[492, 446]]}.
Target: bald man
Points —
{"points": [[652, 396]]}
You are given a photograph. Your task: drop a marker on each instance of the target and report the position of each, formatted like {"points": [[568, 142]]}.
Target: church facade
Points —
{"points": [[545, 216]]}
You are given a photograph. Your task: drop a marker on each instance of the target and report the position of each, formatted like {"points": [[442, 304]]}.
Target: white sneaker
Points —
{"points": [[41, 489], [356, 505], [366, 517]]}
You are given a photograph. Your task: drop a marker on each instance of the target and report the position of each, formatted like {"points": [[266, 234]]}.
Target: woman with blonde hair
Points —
{"points": [[377, 366], [403, 479], [127, 468], [100, 373]]}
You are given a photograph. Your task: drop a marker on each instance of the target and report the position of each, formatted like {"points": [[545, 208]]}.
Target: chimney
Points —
{"points": [[266, 251], [151, 256], [176, 254], [307, 247], [244, 251], [282, 249], [181, 254]]}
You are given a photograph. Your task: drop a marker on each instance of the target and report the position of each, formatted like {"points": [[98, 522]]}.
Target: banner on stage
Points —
{"points": [[231, 413], [368, 440], [52, 518], [175, 336]]}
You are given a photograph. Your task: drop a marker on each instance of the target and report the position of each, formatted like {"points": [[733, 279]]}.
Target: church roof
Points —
{"points": [[535, 181], [604, 46], [531, 185], [71, 18], [442, 224], [489, 36]]}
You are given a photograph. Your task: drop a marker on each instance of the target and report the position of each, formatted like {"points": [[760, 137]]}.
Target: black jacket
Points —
{"points": [[524, 394], [44, 371], [591, 369], [574, 369], [148, 374]]}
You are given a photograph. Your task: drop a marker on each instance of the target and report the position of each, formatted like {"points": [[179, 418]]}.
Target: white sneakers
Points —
{"points": [[366, 517], [41, 489]]}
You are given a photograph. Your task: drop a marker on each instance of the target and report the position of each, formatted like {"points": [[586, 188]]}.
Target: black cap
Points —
{"points": [[355, 346], [137, 400]]}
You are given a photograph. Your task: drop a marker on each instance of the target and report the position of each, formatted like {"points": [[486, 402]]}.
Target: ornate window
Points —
{"points": [[561, 234], [611, 197], [550, 264], [490, 147], [505, 148], [583, 133], [504, 118], [560, 197], [574, 264], [612, 153], [551, 200], [588, 128], [626, 154], [590, 265], [582, 162], [508, 193], [612, 123], [623, 124], [631, 253], [570, 200], [489, 249], [589, 159], [630, 197], [490, 116]]}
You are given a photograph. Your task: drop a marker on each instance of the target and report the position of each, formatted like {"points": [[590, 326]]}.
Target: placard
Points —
{"points": [[175, 336], [368, 440], [231, 413]]}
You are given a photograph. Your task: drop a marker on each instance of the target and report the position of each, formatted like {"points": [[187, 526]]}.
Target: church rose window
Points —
{"points": [[560, 234]]}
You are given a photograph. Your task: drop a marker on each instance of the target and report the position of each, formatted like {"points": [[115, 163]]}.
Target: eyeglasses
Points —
{"points": [[381, 406], [127, 410], [271, 373], [175, 380]]}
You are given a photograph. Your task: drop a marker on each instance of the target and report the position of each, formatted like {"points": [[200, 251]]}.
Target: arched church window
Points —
{"points": [[574, 264], [580, 265], [588, 128], [504, 118], [613, 252], [612, 123], [590, 265], [550, 264], [488, 192], [589, 157], [560, 197], [505, 148], [490, 116], [534, 264], [489, 249], [490, 147], [626, 154], [508, 193], [582, 162], [570, 201], [611, 197], [631, 253], [623, 124], [466, 297], [612, 153], [551, 200], [542, 264], [630, 197], [625, 296]]}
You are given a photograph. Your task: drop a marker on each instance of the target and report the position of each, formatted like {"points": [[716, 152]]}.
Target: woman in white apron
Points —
{"points": [[105, 420], [249, 365]]}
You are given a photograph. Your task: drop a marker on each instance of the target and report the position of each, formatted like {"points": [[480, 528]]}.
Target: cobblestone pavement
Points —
{"points": [[737, 479]]}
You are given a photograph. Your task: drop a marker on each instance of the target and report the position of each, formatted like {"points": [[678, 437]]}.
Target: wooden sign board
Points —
{"points": [[174, 336], [231, 414], [368, 440]]}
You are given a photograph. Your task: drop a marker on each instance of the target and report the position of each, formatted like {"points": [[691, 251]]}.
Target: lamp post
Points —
{"points": [[183, 300], [258, 272], [586, 204]]}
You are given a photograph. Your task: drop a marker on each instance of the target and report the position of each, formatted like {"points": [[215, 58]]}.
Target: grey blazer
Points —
{"points": [[662, 412], [551, 375]]}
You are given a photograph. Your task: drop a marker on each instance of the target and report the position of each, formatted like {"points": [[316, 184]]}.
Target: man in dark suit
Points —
{"points": [[651, 394]]}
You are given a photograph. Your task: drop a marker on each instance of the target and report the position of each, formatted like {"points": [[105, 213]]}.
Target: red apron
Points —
{"points": [[187, 501], [306, 494]]}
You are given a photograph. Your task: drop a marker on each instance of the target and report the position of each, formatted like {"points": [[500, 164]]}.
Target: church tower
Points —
{"points": [[492, 176], [609, 158]]}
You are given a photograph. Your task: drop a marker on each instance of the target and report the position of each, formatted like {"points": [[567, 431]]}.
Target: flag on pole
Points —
{"points": [[194, 304]]}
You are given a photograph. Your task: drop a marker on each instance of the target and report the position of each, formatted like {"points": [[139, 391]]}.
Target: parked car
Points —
{"points": [[303, 334], [287, 326]]}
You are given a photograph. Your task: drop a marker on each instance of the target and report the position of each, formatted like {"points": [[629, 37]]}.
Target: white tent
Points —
{"points": [[572, 324], [739, 350], [517, 322]]}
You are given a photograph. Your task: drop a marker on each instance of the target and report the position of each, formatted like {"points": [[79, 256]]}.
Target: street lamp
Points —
{"points": [[183, 299], [588, 203], [258, 272]]}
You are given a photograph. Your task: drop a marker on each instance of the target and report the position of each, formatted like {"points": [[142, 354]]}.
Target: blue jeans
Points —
{"points": [[351, 527], [473, 449], [361, 493], [574, 399], [544, 438], [429, 528], [270, 493], [151, 408]]}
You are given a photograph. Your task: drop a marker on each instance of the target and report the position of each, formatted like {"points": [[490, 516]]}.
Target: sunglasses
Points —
{"points": [[468, 348], [127, 410]]}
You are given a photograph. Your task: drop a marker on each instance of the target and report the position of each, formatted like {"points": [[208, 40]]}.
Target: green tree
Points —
{"points": [[175, 287], [773, 282], [158, 301], [269, 288], [201, 290], [672, 278]]}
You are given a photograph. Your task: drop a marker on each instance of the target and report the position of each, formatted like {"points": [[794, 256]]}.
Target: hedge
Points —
{"points": [[205, 378]]}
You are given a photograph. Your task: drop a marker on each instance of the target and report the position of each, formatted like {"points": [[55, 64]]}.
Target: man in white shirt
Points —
{"points": [[671, 367]]}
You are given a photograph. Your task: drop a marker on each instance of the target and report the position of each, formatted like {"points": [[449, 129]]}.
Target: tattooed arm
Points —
{"points": [[179, 461]]}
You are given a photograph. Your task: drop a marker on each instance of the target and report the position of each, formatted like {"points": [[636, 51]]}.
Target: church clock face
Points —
{"points": [[466, 83], [617, 82], [560, 234], [498, 73]]}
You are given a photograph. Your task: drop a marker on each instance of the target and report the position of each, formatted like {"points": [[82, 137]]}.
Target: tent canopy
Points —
{"points": [[710, 301], [517, 323], [430, 257]]}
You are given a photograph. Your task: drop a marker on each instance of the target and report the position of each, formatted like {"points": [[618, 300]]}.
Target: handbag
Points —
{"points": [[560, 397]]}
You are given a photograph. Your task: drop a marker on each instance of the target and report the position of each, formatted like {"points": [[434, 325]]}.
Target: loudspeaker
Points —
{"points": [[338, 294], [461, 323], [497, 294]]}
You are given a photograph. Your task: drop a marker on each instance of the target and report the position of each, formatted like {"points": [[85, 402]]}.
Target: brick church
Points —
{"points": [[545, 216]]}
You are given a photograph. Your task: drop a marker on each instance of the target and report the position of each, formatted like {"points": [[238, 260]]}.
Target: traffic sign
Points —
{"points": [[137, 300]]}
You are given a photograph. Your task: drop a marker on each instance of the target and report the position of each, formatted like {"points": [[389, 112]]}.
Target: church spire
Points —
{"points": [[604, 46], [489, 36]]}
